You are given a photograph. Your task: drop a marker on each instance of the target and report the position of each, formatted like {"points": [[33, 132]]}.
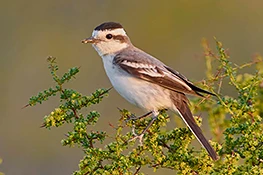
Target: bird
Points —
{"points": [[145, 81]]}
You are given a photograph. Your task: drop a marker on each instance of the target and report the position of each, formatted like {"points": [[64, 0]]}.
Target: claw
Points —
{"points": [[140, 137], [136, 136]]}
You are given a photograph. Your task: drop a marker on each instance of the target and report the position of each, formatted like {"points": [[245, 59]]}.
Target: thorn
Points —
{"points": [[199, 116], [111, 125], [25, 106], [43, 125], [109, 89], [120, 110]]}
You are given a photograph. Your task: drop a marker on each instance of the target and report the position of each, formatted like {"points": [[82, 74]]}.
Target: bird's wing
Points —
{"points": [[144, 66]]}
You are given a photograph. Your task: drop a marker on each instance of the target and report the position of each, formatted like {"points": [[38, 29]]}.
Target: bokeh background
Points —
{"points": [[32, 30]]}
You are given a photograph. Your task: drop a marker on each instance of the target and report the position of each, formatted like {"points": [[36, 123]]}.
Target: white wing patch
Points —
{"points": [[152, 71], [138, 65], [144, 68]]}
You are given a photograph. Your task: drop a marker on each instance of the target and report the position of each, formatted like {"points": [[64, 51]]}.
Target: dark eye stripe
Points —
{"points": [[120, 38]]}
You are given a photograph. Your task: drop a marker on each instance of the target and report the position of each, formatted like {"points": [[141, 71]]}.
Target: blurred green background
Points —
{"points": [[32, 30]]}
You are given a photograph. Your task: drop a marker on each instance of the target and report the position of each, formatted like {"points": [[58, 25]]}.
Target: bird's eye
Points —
{"points": [[109, 36]]}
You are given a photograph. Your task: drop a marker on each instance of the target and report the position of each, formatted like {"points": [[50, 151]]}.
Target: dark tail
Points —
{"points": [[181, 106], [199, 90]]}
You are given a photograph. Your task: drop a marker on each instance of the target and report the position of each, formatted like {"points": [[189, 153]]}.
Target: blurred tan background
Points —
{"points": [[32, 30]]}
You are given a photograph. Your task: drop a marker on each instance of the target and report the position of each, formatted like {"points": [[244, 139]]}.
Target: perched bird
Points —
{"points": [[143, 80]]}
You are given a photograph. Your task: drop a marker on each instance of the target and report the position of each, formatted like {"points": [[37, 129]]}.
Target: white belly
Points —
{"points": [[138, 92]]}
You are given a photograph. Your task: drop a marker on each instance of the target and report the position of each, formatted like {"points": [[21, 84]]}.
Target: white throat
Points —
{"points": [[109, 49]]}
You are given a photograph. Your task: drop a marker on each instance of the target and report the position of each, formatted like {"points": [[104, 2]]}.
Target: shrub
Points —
{"points": [[235, 121]]}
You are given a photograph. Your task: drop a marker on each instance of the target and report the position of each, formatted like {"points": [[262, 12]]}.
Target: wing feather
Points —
{"points": [[146, 67], [148, 70]]}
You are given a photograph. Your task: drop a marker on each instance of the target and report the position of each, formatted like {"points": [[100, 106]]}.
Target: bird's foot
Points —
{"points": [[136, 136], [140, 136]]}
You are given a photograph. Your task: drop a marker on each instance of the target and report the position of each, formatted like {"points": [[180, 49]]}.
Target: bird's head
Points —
{"points": [[108, 38]]}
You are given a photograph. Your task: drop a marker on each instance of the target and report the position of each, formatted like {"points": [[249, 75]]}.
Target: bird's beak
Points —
{"points": [[89, 40]]}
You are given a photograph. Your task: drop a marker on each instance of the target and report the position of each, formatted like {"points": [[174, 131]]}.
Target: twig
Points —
{"points": [[137, 170]]}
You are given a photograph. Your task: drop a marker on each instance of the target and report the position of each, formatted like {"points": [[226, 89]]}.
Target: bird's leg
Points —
{"points": [[133, 117], [140, 136]]}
